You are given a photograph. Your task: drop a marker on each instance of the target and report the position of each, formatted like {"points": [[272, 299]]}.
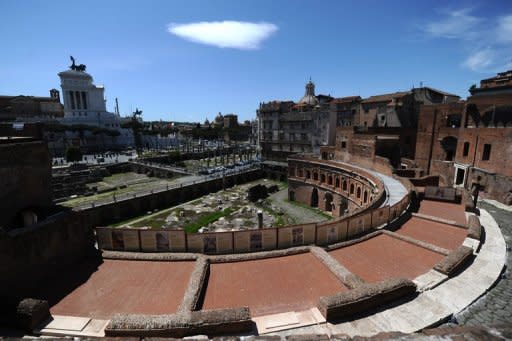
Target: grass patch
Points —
{"points": [[203, 221]]}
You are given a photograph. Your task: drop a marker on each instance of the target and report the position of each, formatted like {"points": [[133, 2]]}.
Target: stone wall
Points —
{"points": [[25, 180], [116, 211], [28, 255]]}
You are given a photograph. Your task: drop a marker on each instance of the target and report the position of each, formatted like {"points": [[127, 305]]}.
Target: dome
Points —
{"points": [[309, 98]]}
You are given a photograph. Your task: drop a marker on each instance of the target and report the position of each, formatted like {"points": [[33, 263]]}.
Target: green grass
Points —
{"points": [[279, 218], [203, 221], [313, 209]]}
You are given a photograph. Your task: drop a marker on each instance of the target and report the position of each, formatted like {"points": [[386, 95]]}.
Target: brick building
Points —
{"points": [[31, 108], [287, 128], [469, 143], [386, 125]]}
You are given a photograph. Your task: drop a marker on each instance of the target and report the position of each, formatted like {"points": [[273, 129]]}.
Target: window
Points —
{"points": [[351, 188], [343, 144], [72, 98], [84, 100], [465, 152], [486, 156]]}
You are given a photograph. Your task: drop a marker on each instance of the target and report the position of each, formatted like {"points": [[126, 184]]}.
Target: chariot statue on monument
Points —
{"points": [[75, 67]]}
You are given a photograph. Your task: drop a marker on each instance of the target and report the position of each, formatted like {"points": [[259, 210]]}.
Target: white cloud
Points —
{"points": [[480, 60], [457, 24], [504, 30], [225, 34]]}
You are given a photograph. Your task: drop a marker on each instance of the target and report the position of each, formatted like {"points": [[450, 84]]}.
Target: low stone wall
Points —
{"points": [[474, 227], [430, 180], [207, 322], [364, 298], [467, 199], [456, 260]]}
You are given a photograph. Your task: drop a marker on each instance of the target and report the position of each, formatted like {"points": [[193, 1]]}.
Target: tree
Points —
{"points": [[73, 154]]}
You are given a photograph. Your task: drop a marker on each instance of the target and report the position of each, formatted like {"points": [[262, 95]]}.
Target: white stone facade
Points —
{"points": [[84, 103]]}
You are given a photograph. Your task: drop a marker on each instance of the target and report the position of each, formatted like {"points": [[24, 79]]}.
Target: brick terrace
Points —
{"points": [[383, 257], [268, 286], [121, 286]]}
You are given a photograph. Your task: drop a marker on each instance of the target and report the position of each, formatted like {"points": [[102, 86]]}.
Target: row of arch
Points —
{"points": [[354, 189]]}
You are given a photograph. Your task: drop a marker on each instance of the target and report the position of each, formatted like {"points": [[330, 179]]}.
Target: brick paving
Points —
{"points": [[495, 307]]}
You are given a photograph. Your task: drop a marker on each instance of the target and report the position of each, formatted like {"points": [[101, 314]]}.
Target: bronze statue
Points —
{"points": [[75, 67]]}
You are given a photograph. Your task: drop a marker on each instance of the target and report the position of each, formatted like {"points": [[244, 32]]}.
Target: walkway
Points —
{"points": [[494, 308], [395, 191]]}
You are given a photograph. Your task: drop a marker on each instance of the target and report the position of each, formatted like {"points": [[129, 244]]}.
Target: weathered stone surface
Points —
{"points": [[31, 312]]}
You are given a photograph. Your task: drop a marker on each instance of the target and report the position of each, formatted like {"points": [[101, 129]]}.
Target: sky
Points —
{"points": [[188, 60]]}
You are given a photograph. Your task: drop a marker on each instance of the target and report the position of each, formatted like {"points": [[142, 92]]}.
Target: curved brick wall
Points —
{"points": [[333, 187]]}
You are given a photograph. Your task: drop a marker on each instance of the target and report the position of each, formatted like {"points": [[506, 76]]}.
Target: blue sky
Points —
{"points": [[188, 60]]}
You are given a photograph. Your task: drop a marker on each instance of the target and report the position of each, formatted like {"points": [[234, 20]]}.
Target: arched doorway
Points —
{"points": [[449, 145], [328, 202], [314, 198]]}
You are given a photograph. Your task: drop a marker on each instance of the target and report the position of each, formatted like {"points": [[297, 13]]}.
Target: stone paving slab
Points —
{"points": [[62, 326], [290, 320]]}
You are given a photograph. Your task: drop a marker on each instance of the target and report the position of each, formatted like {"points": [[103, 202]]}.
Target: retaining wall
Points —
{"points": [[173, 240]]}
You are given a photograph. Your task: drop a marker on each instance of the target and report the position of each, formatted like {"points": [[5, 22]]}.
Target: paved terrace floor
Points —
{"points": [[443, 235], [383, 257], [269, 286], [118, 286], [444, 210]]}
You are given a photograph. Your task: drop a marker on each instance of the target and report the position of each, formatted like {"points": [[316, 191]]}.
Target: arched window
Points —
{"points": [[358, 192], [322, 178], [352, 188], [345, 185], [315, 176], [365, 197], [337, 182]]}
